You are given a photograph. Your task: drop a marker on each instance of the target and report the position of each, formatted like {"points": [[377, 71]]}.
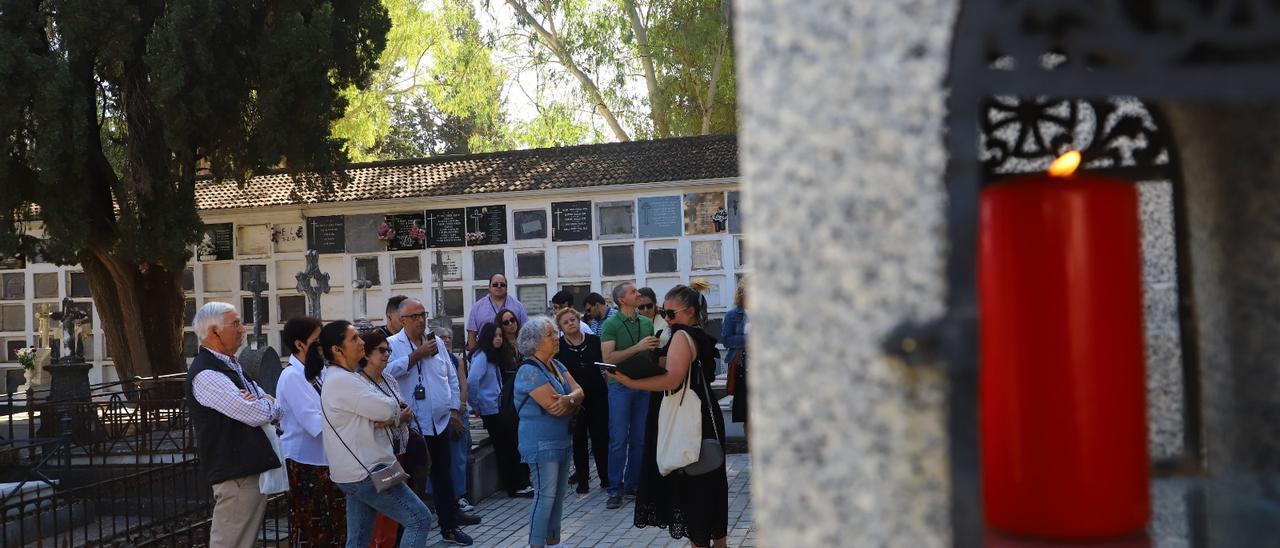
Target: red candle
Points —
{"points": [[1062, 385]]}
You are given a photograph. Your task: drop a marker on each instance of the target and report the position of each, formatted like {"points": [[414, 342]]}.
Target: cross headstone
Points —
{"points": [[43, 328], [69, 317], [313, 283], [256, 286], [362, 304], [438, 268]]}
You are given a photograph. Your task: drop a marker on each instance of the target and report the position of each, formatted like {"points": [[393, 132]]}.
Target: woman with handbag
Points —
{"points": [[486, 385], [546, 397], [692, 501], [317, 513], [373, 367], [362, 421]]}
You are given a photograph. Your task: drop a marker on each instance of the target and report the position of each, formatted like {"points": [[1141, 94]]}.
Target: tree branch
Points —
{"points": [[657, 103], [588, 86], [710, 105]]}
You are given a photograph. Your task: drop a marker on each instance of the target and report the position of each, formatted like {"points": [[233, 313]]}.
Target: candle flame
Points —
{"points": [[1066, 164]]}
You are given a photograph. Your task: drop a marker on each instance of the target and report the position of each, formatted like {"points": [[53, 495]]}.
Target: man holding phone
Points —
{"points": [[624, 336]]}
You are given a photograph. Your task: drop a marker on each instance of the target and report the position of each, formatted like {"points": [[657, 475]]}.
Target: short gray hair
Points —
{"points": [[212, 314], [405, 304], [443, 332], [618, 290], [531, 334]]}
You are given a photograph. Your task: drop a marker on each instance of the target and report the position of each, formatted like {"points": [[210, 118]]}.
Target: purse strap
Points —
{"points": [[697, 362], [344, 442]]}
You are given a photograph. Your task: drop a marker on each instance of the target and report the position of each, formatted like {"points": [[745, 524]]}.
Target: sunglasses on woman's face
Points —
{"points": [[382, 349], [670, 314], [508, 321], [645, 307]]}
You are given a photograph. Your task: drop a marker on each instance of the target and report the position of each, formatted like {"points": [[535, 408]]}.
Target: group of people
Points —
{"points": [[364, 418]]}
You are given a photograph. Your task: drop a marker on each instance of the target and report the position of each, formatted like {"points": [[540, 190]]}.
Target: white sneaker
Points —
{"points": [[528, 490], [465, 505]]}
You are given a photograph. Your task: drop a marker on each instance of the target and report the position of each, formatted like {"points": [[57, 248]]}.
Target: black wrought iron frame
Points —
{"points": [[1090, 51]]}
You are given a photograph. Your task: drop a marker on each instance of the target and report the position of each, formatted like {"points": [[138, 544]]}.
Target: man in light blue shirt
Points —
{"points": [[420, 363]]}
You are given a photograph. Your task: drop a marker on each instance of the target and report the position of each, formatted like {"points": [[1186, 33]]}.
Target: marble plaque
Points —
{"points": [[286, 272], [334, 306], [706, 254], [255, 240], [327, 234], [617, 220], [409, 231], [446, 227], [574, 261], [407, 269], [533, 297], [530, 225], [660, 217], [360, 233], [531, 264], [570, 221], [13, 317], [451, 261], [78, 285], [715, 294], [15, 286], [221, 278], [217, 243], [337, 269], [617, 260], [487, 225], [289, 237], [46, 285], [705, 213], [735, 212]]}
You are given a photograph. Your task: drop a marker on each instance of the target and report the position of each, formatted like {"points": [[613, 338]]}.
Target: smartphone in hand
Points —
{"points": [[607, 367]]}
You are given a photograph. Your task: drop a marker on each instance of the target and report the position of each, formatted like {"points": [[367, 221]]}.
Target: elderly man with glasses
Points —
{"points": [[486, 309], [420, 363]]}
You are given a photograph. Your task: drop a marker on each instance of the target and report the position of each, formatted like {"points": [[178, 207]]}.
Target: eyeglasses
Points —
{"points": [[646, 307], [498, 284], [382, 349], [418, 316], [671, 314], [508, 321]]}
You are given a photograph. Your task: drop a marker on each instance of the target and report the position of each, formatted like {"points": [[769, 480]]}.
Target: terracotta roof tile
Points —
{"points": [[688, 158]]}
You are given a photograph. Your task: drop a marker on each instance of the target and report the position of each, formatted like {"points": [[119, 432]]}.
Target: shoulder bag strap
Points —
{"points": [[344, 442]]}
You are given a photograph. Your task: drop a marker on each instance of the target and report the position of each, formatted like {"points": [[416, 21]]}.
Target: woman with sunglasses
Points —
{"points": [[373, 367], [487, 309], [362, 418], [694, 506], [485, 387]]}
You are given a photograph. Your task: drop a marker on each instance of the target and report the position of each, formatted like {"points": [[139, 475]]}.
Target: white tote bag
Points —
{"points": [[275, 480], [679, 429]]}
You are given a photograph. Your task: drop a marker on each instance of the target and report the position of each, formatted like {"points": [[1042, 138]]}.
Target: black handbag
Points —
{"points": [[711, 454]]}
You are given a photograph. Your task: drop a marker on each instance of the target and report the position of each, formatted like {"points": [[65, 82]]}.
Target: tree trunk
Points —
{"points": [[141, 310], [657, 103]]}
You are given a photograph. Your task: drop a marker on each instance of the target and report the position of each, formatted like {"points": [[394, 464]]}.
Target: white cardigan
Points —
{"points": [[352, 404]]}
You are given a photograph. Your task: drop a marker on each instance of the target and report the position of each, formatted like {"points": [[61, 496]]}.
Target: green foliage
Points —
{"points": [[111, 108]]}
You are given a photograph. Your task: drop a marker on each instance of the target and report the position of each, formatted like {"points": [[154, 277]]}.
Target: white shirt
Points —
{"points": [[301, 421], [436, 374], [351, 405]]}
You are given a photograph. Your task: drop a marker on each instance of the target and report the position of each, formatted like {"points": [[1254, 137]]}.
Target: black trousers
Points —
{"points": [[513, 474], [441, 481], [592, 423]]}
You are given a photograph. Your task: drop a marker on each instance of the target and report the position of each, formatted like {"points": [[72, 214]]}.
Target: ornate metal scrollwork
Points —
{"points": [[1022, 135]]}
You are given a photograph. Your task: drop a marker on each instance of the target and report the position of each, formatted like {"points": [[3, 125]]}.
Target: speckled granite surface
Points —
{"points": [[1163, 347], [842, 152]]}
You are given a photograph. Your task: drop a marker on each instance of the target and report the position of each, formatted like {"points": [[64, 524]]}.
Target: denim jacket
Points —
{"points": [[484, 385], [733, 333]]}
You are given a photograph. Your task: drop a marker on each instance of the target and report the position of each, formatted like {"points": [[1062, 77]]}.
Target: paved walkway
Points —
{"points": [[587, 523]]}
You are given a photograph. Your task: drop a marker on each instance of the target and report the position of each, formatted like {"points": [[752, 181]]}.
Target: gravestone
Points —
{"points": [[360, 233], [255, 240], [735, 212], [263, 366], [530, 225], [660, 217], [487, 225], [446, 227], [704, 213], [617, 220], [69, 381], [662, 260], [570, 221], [410, 232], [327, 234], [217, 243], [361, 289]]}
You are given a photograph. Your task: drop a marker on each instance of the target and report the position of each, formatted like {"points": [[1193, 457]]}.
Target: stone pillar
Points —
{"points": [[1231, 170], [842, 154]]}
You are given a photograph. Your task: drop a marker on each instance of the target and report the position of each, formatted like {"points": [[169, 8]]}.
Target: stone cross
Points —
{"points": [[312, 283], [69, 316], [438, 268], [257, 285], [362, 304]]}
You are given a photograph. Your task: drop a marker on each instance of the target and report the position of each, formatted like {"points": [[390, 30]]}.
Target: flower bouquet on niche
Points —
{"points": [[386, 233], [27, 357]]}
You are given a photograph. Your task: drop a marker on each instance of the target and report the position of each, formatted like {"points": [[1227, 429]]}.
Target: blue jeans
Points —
{"points": [[364, 502], [628, 410], [550, 486], [461, 448]]}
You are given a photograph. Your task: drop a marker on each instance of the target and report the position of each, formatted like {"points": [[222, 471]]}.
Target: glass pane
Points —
{"points": [[488, 262], [531, 265], [579, 291], [530, 225], [617, 219], [662, 260], [46, 285], [533, 297], [78, 284], [13, 317], [367, 269], [250, 272], [617, 260], [15, 286], [188, 279], [246, 308], [408, 270], [292, 306], [452, 300]]}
